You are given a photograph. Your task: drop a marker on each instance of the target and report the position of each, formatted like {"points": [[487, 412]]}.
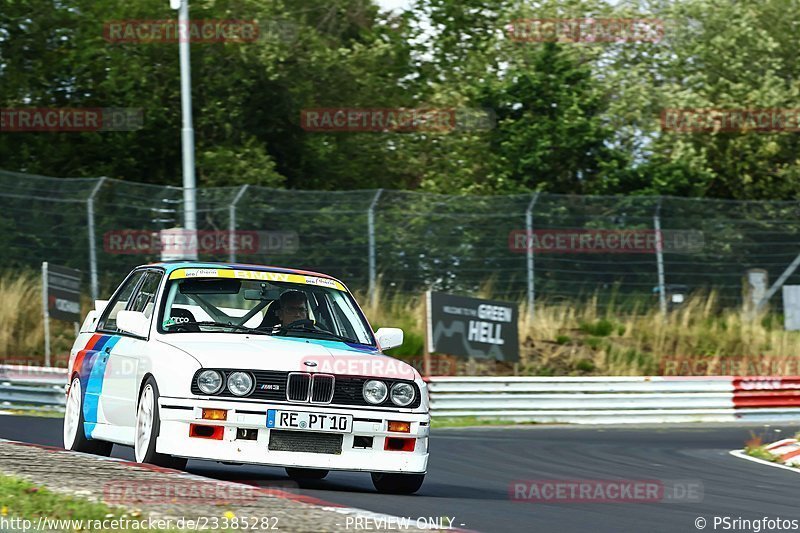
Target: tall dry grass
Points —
{"points": [[22, 322], [397, 311], [627, 338], [623, 338], [643, 341]]}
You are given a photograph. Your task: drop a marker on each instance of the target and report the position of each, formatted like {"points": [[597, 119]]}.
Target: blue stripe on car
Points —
{"points": [[95, 368]]}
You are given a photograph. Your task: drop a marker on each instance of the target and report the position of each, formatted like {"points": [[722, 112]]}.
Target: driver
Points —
{"points": [[293, 307]]}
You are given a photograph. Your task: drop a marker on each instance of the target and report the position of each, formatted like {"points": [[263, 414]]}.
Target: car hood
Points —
{"points": [[261, 352]]}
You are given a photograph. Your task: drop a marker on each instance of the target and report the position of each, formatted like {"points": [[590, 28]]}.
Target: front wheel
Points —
{"points": [[397, 483], [74, 428], [148, 427]]}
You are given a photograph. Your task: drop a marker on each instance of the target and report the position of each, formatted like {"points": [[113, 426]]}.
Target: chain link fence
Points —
{"points": [[410, 241]]}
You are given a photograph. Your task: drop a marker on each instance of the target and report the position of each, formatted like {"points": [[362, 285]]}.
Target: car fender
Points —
{"points": [[171, 367]]}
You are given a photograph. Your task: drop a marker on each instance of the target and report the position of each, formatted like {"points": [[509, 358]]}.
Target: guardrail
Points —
{"points": [[31, 388], [573, 400], [615, 400]]}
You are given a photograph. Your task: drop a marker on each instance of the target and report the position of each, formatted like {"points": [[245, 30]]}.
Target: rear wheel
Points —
{"points": [[397, 483], [148, 427], [306, 473], [74, 429]]}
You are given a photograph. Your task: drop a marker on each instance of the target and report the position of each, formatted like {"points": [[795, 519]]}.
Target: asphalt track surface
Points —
{"points": [[471, 470]]}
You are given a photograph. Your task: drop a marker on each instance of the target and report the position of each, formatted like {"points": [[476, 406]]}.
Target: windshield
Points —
{"points": [[295, 306]]}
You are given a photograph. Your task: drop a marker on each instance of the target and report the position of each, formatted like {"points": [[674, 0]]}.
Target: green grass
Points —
{"points": [[43, 413], [600, 328], [471, 421], [23, 499], [760, 452]]}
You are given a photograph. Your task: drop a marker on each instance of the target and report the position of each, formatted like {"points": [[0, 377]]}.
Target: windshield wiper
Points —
{"points": [[307, 329], [237, 327]]}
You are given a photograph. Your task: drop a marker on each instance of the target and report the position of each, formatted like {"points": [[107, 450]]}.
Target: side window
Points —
{"points": [[145, 299], [119, 303]]}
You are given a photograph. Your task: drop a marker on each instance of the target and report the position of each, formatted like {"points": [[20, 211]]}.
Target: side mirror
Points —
{"points": [[134, 322], [389, 338]]}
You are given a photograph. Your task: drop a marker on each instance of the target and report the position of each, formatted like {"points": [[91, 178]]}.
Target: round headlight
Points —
{"points": [[240, 383], [209, 381], [402, 394], [375, 392]]}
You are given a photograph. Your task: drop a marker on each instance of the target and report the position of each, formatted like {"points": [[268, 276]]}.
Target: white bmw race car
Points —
{"points": [[246, 364]]}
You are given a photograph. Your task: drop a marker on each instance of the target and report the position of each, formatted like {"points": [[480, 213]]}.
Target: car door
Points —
{"points": [[94, 367], [121, 385]]}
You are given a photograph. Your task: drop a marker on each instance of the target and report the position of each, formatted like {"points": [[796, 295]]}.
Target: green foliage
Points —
{"points": [[568, 117], [563, 339], [593, 342], [760, 452], [413, 345], [545, 371], [600, 328], [23, 499]]}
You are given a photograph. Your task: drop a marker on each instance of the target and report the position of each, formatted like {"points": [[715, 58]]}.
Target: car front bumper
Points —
{"points": [[371, 426]]}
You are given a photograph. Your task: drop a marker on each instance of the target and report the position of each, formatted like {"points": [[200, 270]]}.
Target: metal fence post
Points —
{"points": [[529, 255], [662, 295], [778, 284], [92, 242], [45, 315], [371, 237], [232, 222]]}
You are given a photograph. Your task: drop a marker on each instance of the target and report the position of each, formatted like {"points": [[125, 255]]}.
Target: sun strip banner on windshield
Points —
{"points": [[255, 275]]}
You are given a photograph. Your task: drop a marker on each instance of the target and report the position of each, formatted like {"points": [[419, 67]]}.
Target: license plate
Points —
{"points": [[309, 421]]}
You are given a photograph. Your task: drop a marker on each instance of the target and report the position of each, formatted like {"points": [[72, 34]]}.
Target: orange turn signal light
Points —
{"points": [[400, 427], [215, 414]]}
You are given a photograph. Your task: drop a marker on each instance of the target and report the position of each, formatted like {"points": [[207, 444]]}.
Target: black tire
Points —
{"points": [[305, 474], [397, 483], [149, 455], [78, 442]]}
